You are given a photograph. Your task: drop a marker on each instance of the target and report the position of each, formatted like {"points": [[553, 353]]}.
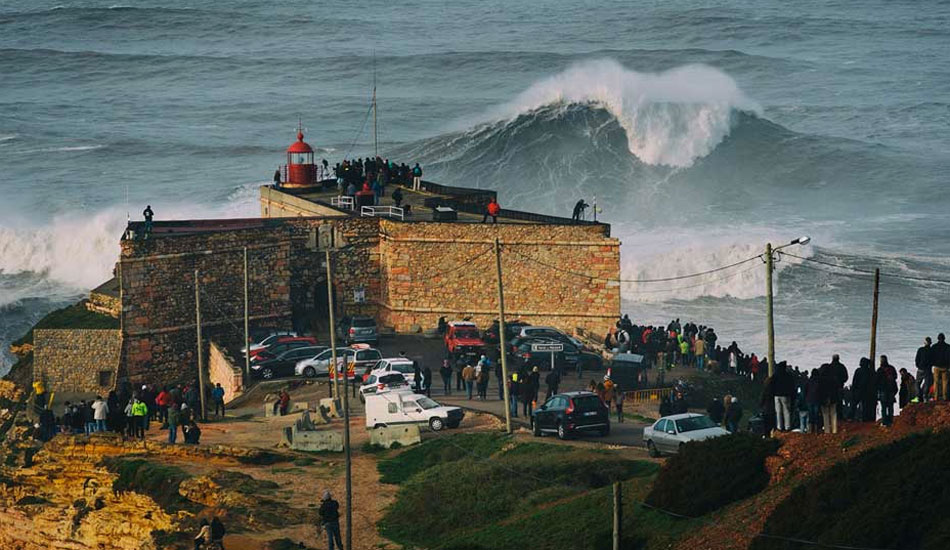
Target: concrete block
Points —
{"points": [[317, 440], [329, 405], [405, 435], [299, 406], [269, 409]]}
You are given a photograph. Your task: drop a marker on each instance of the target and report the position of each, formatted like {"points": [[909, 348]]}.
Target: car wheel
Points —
{"points": [[561, 431], [436, 424], [535, 428], [310, 372], [605, 431], [267, 374], [680, 448], [652, 449], [378, 426]]}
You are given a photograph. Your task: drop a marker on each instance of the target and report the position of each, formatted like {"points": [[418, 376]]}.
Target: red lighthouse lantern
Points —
{"points": [[300, 171]]}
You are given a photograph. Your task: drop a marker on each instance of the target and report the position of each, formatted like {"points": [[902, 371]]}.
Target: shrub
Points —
{"points": [[707, 475], [437, 451], [889, 497], [453, 499], [158, 481]]}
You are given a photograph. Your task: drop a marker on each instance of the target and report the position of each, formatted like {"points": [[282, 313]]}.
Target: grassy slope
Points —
{"points": [[527, 494], [74, 316]]}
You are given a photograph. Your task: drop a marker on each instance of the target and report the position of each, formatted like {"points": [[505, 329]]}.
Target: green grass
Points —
{"points": [[74, 316], [467, 502], [893, 496], [438, 451]]}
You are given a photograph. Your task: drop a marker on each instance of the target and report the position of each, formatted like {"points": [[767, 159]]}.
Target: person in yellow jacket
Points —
{"points": [[699, 350], [684, 351], [139, 412]]}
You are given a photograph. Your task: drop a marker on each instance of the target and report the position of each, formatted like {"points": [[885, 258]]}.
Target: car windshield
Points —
{"points": [[426, 403], [694, 423], [404, 368], [587, 403], [364, 323]]}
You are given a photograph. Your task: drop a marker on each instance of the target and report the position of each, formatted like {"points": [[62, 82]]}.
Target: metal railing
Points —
{"points": [[388, 211], [643, 396], [344, 202]]}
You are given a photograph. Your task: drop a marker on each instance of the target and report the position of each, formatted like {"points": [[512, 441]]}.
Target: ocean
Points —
{"points": [[704, 130]]}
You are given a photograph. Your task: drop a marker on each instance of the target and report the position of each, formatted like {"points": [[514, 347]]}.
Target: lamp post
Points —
{"points": [[769, 256]]}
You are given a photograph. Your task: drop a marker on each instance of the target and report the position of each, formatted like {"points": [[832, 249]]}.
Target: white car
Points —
{"points": [[405, 407], [268, 340], [357, 357], [670, 433], [383, 382], [401, 365]]}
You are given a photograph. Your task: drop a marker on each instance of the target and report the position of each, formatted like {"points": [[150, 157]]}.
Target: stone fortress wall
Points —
{"points": [[77, 360], [408, 273]]}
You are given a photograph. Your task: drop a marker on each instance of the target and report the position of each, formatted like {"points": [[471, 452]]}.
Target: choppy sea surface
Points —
{"points": [[703, 130]]}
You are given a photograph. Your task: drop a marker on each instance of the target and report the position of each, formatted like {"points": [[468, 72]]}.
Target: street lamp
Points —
{"points": [[769, 255]]}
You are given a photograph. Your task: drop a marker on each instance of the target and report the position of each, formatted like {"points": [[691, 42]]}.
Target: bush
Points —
{"points": [[158, 481], [437, 451], [889, 497], [707, 475], [454, 499]]}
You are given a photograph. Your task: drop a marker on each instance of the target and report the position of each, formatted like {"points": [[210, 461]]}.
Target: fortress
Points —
{"points": [[405, 266]]}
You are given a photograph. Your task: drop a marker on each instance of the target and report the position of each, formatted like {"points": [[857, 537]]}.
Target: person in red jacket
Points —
{"points": [[491, 210], [162, 400]]}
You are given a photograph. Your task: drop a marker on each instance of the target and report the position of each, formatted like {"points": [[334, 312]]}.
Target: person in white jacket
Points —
{"points": [[100, 411]]}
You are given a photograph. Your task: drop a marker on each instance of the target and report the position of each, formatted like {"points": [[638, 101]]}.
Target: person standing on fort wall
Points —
{"points": [[492, 210], [416, 177], [148, 214]]}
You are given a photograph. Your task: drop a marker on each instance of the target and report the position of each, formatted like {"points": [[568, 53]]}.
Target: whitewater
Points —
{"points": [[702, 133]]}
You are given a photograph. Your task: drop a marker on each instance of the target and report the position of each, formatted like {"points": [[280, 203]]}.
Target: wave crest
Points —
{"points": [[670, 118]]}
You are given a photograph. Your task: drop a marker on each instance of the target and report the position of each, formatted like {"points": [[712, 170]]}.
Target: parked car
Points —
{"points": [[378, 383], [670, 433], [401, 365], [549, 332], [512, 329], [521, 349], [264, 338], [282, 344], [283, 364], [405, 407], [359, 329], [462, 338], [357, 358], [566, 414]]}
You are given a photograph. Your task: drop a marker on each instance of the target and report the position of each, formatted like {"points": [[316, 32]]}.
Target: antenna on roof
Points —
{"points": [[128, 211], [375, 124]]}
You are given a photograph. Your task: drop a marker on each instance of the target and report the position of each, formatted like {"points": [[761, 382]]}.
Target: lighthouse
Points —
{"points": [[300, 172]]}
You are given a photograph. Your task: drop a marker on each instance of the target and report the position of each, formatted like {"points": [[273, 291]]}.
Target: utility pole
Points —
{"points": [[346, 448], [618, 514], [201, 378], [501, 336], [334, 383], [768, 307], [375, 125], [877, 283], [247, 330]]}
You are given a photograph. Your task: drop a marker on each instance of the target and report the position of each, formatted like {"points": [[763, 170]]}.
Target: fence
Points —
{"points": [[643, 396], [343, 202], [389, 211]]}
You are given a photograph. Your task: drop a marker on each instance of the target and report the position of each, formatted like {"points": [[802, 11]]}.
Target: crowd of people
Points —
{"points": [[132, 413]]}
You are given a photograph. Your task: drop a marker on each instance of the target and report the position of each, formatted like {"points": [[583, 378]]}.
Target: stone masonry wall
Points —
{"points": [[285, 270], [560, 275], [72, 359], [221, 370]]}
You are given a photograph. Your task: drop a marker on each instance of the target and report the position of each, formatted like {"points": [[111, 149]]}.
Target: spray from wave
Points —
{"points": [[670, 118]]}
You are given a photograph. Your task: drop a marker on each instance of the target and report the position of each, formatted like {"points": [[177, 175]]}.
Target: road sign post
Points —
{"points": [[551, 348]]}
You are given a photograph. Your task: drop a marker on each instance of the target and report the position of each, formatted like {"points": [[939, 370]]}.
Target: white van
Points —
{"points": [[387, 408]]}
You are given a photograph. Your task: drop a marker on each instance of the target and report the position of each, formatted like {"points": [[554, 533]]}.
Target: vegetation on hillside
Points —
{"points": [[893, 497], [707, 475], [511, 495], [74, 316]]}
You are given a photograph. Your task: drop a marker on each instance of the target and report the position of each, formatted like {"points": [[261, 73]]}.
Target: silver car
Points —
{"points": [[670, 433], [359, 329]]}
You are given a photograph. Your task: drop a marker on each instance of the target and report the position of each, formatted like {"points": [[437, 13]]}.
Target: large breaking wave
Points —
{"points": [[670, 118]]}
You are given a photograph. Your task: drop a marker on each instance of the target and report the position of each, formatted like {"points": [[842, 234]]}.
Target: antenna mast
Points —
{"points": [[375, 125]]}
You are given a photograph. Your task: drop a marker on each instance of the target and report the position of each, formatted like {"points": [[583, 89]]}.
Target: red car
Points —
{"points": [[461, 337], [280, 346]]}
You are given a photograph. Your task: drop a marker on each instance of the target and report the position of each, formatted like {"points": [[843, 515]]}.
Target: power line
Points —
{"points": [[867, 271], [359, 133], [729, 276], [659, 280], [430, 274]]}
